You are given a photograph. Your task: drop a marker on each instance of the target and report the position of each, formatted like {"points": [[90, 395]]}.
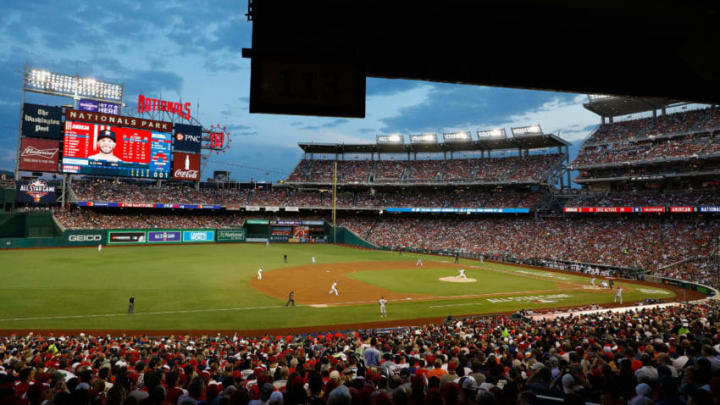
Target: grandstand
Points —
{"points": [[647, 210]]}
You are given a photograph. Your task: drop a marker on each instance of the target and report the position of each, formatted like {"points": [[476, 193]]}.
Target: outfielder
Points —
{"points": [[313, 259], [419, 262], [260, 270], [100, 247], [383, 312], [333, 289], [618, 295], [462, 274], [291, 298]]}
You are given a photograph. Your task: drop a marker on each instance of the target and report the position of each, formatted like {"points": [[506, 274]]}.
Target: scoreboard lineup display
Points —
{"points": [[116, 151]]}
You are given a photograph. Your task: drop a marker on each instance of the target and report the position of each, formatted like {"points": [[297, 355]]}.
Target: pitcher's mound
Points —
{"points": [[454, 279]]}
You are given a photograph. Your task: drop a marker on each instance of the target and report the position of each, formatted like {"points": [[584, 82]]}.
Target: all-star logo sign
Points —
{"points": [[37, 189], [146, 104]]}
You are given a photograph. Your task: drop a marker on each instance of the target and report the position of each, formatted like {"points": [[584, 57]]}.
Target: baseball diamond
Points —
{"points": [[215, 287]]}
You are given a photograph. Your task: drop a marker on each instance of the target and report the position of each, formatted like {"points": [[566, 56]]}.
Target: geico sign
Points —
{"points": [[85, 238], [198, 236]]}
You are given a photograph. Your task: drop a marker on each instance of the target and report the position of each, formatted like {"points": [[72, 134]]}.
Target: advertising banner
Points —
{"points": [[36, 192], [279, 238], [114, 151], [41, 121], [97, 204], [252, 208], [648, 209], [461, 210], [198, 236], [121, 237], [109, 108], [257, 221], [598, 209], [39, 155], [87, 237], [186, 166], [682, 209], [187, 138], [230, 235], [164, 236], [88, 105], [118, 120], [301, 232], [709, 209]]}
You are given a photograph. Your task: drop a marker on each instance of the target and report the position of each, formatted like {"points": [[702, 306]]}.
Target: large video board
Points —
{"points": [[114, 151]]}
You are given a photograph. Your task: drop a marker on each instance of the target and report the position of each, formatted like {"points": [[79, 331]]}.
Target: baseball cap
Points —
{"points": [[106, 133]]}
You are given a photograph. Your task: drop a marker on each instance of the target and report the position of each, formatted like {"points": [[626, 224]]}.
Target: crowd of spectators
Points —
{"points": [[105, 190], [644, 128], [639, 242], [687, 147], [706, 167], [530, 168], [649, 356], [646, 198]]}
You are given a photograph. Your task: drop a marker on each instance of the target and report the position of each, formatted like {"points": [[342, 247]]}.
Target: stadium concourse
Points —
{"points": [[667, 355]]}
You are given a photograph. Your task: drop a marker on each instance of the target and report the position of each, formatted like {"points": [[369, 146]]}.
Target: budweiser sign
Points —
{"points": [[186, 166], [39, 155], [33, 151], [118, 120], [146, 104]]}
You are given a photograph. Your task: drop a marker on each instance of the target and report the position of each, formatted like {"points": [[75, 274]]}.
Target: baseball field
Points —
{"points": [[214, 287]]}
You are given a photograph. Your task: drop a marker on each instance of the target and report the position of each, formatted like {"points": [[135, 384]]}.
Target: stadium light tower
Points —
{"points": [[495, 133], [392, 138], [461, 136], [58, 84]]}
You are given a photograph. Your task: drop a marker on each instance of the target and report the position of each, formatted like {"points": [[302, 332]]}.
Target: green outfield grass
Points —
{"points": [[199, 287]]}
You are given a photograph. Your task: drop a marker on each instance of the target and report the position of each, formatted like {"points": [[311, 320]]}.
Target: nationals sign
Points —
{"points": [[186, 166], [146, 104], [118, 120]]}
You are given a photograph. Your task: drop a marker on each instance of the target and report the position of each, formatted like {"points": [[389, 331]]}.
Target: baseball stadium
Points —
{"points": [[504, 265]]}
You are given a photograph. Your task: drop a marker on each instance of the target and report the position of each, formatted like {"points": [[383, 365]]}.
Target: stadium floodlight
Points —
{"points": [[461, 136], [495, 133], [598, 97], [76, 87], [424, 138], [527, 131], [392, 138]]}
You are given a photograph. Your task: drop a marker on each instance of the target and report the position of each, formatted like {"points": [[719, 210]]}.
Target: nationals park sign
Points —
{"points": [[118, 120]]}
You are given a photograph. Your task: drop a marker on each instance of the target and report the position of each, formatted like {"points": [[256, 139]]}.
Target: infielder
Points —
{"points": [[419, 262], [333, 289], [383, 312], [604, 284], [313, 259], [592, 281], [100, 247], [260, 270], [462, 274], [618, 295]]}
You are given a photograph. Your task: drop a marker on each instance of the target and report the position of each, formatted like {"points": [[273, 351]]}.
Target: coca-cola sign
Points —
{"points": [[186, 166], [39, 155]]}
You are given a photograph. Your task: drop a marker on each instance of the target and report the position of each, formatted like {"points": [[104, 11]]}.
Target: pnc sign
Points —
{"points": [[146, 104]]}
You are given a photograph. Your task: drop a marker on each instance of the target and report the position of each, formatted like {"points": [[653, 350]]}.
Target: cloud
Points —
{"points": [[385, 87], [451, 106], [330, 124]]}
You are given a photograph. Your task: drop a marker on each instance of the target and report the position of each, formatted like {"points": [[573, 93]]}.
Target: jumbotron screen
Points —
{"points": [[114, 151]]}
